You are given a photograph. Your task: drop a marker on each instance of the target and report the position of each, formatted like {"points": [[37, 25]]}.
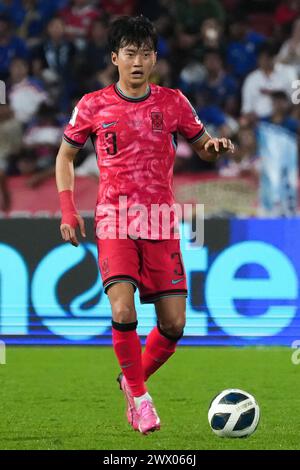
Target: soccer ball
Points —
{"points": [[233, 413]]}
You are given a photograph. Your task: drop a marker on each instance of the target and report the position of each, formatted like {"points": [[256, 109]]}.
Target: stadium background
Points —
{"points": [[53, 52], [244, 288]]}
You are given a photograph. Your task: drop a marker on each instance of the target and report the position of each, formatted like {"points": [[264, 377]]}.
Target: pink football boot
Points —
{"points": [[131, 412], [148, 417]]}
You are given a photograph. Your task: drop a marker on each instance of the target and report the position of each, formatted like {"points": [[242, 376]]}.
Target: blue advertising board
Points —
{"points": [[243, 286]]}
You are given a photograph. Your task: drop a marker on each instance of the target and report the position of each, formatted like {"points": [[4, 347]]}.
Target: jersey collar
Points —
{"points": [[131, 98]]}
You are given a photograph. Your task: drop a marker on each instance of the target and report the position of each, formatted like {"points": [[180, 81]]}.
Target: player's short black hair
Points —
{"points": [[137, 30]]}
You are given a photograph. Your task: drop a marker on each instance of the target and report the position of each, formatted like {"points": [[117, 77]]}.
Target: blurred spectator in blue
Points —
{"points": [[218, 87], [290, 50], [259, 84], [160, 12], [78, 18], [25, 94], [16, 9], [10, 46], [281, 114], [95, 55], [30, 17], [190, 76], [217, 122], [54, 62], [243, 47]]}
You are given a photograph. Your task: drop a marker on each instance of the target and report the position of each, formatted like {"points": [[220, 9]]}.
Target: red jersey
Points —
{"points": [[135, 143]]}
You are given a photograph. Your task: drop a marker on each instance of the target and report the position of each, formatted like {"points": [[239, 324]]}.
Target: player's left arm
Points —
{"points": [[211, 148], [190, 126]]}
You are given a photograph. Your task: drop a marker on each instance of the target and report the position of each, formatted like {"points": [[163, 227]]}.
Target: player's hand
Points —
{"points": [[68, 232], [219, 146]]}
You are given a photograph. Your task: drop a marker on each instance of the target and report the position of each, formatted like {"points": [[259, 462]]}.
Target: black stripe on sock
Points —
{"points": [[124, 326], [166, 335]]}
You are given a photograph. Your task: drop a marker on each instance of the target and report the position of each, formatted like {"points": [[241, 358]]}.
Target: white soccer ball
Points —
{"points": [[233, 413]]}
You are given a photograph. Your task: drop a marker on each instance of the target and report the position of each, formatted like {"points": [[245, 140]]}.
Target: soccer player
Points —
{"points": [[133, 124]]}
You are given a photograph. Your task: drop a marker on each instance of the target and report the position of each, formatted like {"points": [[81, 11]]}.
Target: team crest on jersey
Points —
{"points": [[157, 121]]}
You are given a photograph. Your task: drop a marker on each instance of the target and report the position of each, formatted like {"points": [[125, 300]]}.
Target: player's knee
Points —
{"points": [[173, 329], [123, 313]]}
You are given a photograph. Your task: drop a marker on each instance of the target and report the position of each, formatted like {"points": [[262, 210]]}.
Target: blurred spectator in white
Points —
{"points": [[278, 149], [218, 87], [89, 167], [17, 11], [10, 46], [258, 86], [242, 47], [10, 145], [42, 139], [25, 94], [54, 62], [78, 18], [290, 50]]}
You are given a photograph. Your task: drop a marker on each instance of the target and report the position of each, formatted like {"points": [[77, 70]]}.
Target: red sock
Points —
{"points": [[157, 352], [128, 350]]}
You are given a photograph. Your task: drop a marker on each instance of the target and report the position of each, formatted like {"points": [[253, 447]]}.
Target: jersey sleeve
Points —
{"points": [[189, 124], [80, 126]]}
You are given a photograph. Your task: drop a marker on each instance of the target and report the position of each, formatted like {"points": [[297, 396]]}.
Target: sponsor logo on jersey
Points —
{"points": [[175, 281], [105, 125]]}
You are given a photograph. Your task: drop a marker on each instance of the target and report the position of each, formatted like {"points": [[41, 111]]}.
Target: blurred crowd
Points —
{"points": [[237, 61]]}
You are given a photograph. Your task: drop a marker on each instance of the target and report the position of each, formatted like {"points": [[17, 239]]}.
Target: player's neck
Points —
{"points": [[133, 92]]}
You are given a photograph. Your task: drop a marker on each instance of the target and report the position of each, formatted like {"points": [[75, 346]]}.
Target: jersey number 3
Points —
{"points": [[111, 139]]}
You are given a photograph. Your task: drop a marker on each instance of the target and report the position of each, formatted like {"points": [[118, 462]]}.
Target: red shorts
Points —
{"points": [[155, 267]]}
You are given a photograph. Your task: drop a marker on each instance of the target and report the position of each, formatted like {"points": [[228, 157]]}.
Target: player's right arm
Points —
{"points": [[76, 133], [65, 178]]}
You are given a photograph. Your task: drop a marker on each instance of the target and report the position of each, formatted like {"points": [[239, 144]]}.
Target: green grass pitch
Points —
{"points": [[68, 398]]}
